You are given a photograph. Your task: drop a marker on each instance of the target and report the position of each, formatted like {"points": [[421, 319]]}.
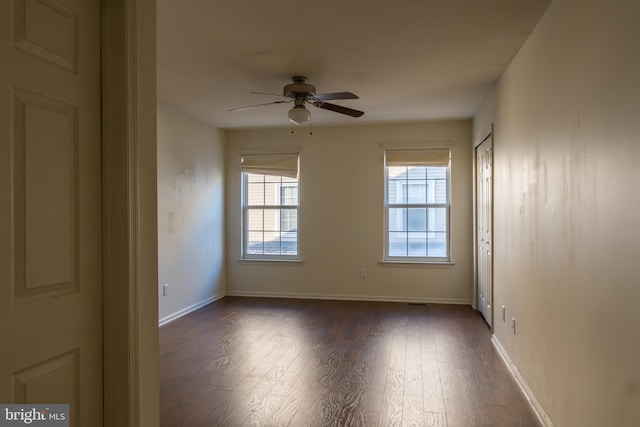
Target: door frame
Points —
{"points": [[130, 294], [484, 136]]}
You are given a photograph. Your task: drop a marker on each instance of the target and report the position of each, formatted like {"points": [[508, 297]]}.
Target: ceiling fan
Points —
{"points": [[300, 93]]}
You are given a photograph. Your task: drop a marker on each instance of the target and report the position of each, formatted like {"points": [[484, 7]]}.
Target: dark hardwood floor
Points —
{"points": [[288, 362]]}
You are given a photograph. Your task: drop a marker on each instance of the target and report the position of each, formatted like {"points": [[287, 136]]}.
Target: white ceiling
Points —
{"points": [[406, 59]]}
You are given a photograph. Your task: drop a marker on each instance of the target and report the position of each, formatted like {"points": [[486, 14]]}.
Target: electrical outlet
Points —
{"points": [[504, 313], [363, 273], [165, 290], [513, 325]]}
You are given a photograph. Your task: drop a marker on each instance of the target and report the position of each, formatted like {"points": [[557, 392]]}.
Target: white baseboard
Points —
{"points": [[190, 309], [533, 401], [344, 297]]}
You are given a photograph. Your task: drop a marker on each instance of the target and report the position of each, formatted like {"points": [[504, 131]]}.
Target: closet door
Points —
{"points": [[484, 217]]}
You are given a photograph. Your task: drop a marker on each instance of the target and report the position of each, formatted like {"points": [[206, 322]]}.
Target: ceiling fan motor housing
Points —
{"points": [[299, 88]]}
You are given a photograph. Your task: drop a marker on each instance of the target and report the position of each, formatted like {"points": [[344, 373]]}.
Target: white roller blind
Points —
{"points": [[417, 157], [271, 164]]}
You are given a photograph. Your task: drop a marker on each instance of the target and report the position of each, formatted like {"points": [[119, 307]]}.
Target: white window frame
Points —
{"points": [[245, 255], [387, 206]]}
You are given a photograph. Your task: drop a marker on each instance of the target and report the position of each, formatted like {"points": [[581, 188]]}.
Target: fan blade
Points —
{"points": [[339, 109], [279, 95], [335, 95], [258, 105]]}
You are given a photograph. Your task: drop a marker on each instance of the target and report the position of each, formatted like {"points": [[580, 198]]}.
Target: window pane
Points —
{"points": [[272, 193], [395, 191], [417, 219], [253, 177], [417, 172], [395, 172], [271, 220], [289, 195], [272, 178], [255, 243], [417, 192], [397, 219], [255, 220], [255, 193], [271, 243], [437, 245], [289, 243], [397, 244], [288, 220], [417, 244], [437, 219], [437, 192], [436, 172], [437, 183], [441, 191]]}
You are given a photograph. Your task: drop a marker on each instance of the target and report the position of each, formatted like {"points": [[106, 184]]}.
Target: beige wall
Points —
{"points": [[190, 212], [567, 228], [341, 215]]}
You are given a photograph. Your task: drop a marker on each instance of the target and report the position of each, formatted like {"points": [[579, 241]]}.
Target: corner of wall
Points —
{"points": [[191, 214]]}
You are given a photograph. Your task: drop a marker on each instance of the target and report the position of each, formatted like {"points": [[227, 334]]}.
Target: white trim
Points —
{"points": [[270, 260], [486, 134], [474, 191], [445, 143], [130, 261], [522, 383], [244, 219], [387, 206], [193, 307], [274, 151], [343, 297], [416, 263]]}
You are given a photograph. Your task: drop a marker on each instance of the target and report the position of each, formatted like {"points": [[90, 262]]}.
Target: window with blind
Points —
{"points": [[417, 205], [270, 206]]}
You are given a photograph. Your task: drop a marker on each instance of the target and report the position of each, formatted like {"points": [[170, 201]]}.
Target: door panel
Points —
{"points": [[50, 206], [484, 218]]}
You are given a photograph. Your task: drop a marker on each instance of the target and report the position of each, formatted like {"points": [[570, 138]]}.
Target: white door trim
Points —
{"points": [[489, 133], [130, 306]]}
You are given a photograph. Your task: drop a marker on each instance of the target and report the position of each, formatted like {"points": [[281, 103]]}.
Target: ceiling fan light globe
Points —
{"points": [[299, 114]]}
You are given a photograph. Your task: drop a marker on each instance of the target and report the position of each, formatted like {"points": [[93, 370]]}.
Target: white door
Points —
{"points": [[50, 206], [484, 218]]}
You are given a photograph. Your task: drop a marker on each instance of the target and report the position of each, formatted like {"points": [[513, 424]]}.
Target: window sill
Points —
{"points": [[414, 263], [284, 261]]}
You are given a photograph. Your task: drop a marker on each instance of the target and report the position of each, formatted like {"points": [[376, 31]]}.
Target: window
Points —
{"points": [[417, 205], [270, 206]]}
